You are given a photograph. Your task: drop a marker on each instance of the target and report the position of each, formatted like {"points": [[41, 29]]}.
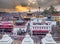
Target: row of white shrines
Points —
{"points": [[48, 39]]}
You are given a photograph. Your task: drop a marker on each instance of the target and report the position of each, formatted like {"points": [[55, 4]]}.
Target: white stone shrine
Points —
{"points": [[6, 39], [27, 40], [48, 39]]}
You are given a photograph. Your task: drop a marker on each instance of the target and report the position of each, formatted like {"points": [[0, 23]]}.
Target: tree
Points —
{"points": [[52, 10]]}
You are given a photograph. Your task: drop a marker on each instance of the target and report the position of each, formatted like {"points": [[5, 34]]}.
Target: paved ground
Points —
{"points": [[19, 42]]}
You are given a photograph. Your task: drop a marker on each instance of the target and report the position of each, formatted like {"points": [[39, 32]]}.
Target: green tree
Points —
{"points": [[52, 10]]}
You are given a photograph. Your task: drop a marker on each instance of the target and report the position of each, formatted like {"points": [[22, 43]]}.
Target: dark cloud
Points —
{"points": [[46, 3], [13, 3], [6, 4]]}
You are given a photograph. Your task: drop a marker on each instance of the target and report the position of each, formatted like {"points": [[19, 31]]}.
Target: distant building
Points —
{"points": [[41, 26], [56, 17]]}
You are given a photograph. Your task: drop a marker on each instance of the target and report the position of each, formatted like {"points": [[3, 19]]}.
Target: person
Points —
{"points": [[19, 32], [23, 32]]}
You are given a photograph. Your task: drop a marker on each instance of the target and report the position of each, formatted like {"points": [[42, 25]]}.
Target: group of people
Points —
{"points": [[21, 32]]}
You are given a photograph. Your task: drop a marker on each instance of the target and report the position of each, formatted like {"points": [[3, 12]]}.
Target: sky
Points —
{"points": [[33, 3]]}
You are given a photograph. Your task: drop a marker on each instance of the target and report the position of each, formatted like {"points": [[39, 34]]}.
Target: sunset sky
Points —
{"points": [[33, 3]]}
